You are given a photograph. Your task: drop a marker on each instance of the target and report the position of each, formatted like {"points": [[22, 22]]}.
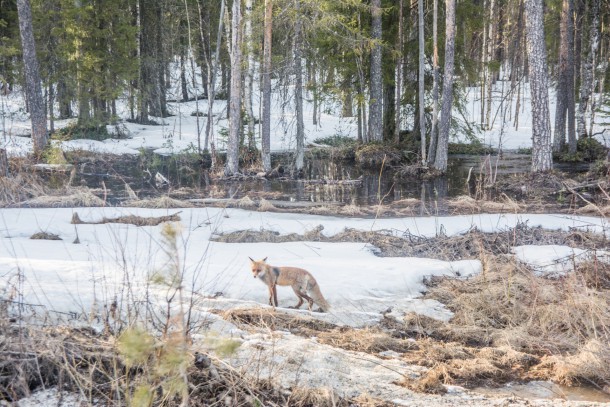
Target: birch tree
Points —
{"points": [[440, 159], [376, 84], [232, 166], [266, 72], [298, 90], [398, 74], [542, 158], [565, 108], [32, 77], [421, 103], [434, 129], [587, 82], [248, 75]]}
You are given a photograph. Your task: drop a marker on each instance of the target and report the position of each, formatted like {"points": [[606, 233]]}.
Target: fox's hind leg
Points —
{"points": [[302, 295]]}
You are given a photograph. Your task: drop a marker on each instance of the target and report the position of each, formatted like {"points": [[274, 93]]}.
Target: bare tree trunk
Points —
{"points": [[542, 158], [490, 56], [266, 119], [32, 77], [248, 76], [298, 92], [232, 166], [422, 89], [213, 69], [565, 81], [434, 130], [398, 80], [586, 86], [3, 163], [440, 161], [376, 83]]}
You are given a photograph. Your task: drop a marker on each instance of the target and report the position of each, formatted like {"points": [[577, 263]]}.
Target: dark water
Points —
{"points": [[323, 180]]}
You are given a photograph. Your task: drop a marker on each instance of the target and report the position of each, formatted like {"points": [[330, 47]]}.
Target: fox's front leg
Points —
{"points": [[271, 293], [275, 294]]}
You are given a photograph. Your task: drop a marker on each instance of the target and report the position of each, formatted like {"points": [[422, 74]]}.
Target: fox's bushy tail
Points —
{"points": [[318, 298]]}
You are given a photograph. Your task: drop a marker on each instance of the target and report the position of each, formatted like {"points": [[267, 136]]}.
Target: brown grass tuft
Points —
{"points": [[265, 206], [162, 202]]}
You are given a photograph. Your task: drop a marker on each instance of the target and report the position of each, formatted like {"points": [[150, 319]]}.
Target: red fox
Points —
{"points": [[302, 282]]}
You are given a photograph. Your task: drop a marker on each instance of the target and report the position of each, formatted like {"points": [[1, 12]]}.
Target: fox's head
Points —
{"points": [[258, 267]]}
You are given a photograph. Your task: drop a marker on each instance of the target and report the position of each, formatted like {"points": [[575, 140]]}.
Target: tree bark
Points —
{"points": [[298, 92], [586, 86], [398, 74], [249, 75], [266, 119], [422, 88], [3, 163], [213, 70], [376, 84], [32, 77], [434, 130], [440, 160], [542, 158], [232, 166], [565, 81]]}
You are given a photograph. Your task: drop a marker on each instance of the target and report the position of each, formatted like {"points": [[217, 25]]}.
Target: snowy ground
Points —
{"points": [[184, 132], [78, 280], [81, 278]]}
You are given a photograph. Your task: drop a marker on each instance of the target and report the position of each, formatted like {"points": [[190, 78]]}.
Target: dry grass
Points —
{"points": [[81, 361], [162, 202], [75, 197], [129, 219], [265, 206], [246, 203]]}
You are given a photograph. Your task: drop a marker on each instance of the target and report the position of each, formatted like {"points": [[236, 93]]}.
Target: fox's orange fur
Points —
{"points": [[302, 282]]}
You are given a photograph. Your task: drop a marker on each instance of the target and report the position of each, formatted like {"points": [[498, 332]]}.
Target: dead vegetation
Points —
{"points": [[129, 219], [82, 361], [471, 245]]}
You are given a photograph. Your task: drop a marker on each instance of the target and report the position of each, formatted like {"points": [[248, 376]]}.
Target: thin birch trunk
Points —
{"points": [[266, 119], [440, 161], [398, 80], [298, 92], [232, 165], [588, 66], [212, 71], [422, 106], [434, 130], [249, 82]]}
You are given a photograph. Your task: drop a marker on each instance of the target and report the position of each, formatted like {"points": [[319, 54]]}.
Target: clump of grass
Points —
{"points": [[266, 206], [164, 202], [376, 155], [45, 236], [77, 197]]}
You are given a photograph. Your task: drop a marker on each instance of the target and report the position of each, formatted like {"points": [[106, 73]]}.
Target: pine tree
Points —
{"points": [[32, 77], [376, 83]]}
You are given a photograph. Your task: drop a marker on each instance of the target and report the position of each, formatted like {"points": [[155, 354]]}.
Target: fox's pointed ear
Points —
{"points": [[251, 259], [265, 259]]}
